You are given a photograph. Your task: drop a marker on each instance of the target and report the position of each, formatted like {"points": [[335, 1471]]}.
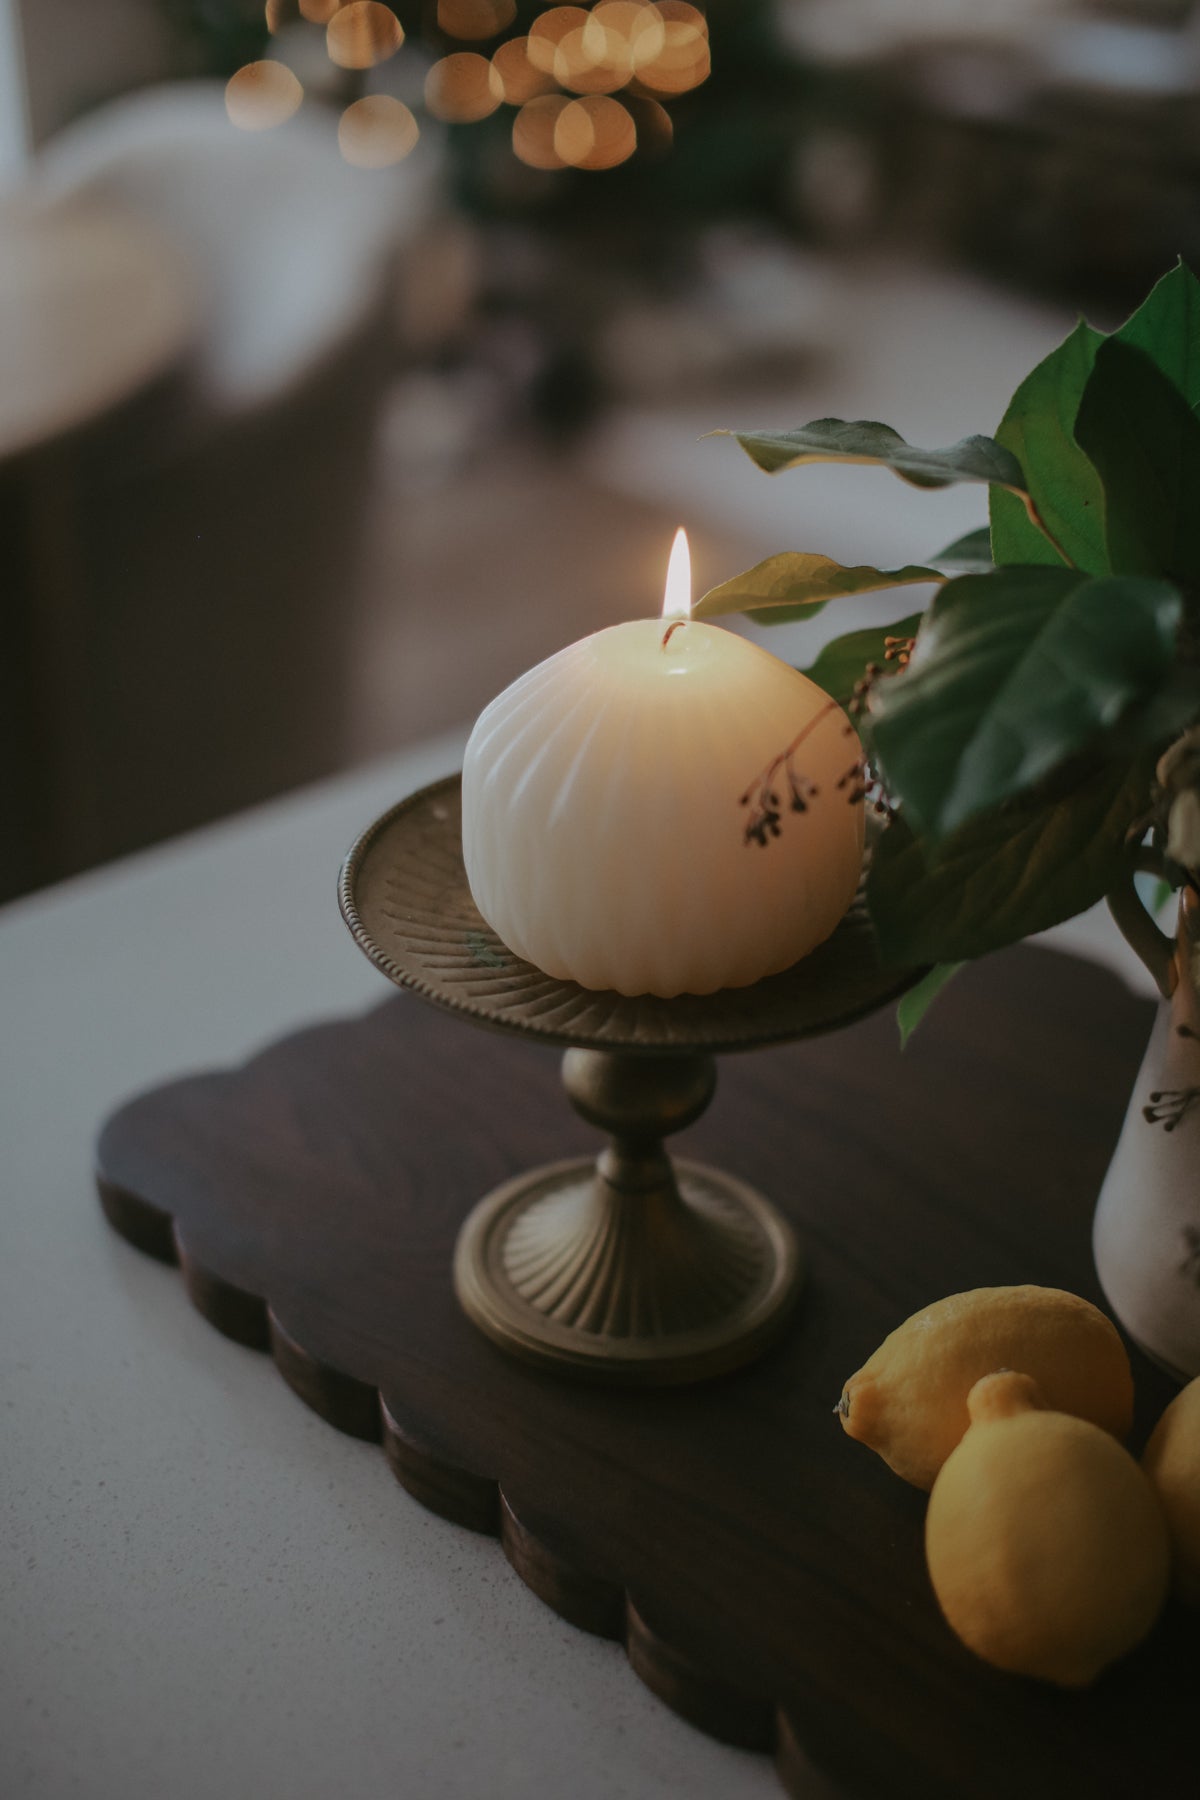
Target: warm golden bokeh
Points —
{"points": [[683, 62], [279, 13], [547, 32], [533, 131], [463, 88], [376, 132], [680, 12], [655, 127], [582, 62], [647, 50], [595, 132], [519, 79], [363, 34], [633, 30], [475, 18], [260, 95]]}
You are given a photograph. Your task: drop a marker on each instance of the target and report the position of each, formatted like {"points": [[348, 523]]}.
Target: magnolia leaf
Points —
{"points": [[969, 555], [866, 441], [1166, 326], [843, 662], [1014, 672], [1144, 441], [1015, 870], [918, 1000], [1039, 430], [795, 585]]}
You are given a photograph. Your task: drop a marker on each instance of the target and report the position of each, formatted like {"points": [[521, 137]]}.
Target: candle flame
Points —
{"points": [[677, 597]]}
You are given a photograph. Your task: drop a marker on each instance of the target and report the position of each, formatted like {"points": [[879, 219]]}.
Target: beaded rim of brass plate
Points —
{"points": [[404, 895], [556, 1273]]}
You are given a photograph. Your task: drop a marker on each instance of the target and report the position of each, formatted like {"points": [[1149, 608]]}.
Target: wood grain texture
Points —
{"points": [[765, 1573]]}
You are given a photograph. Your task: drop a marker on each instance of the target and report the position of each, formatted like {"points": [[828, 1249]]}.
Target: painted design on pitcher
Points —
{"points": [[1169, 1107]]}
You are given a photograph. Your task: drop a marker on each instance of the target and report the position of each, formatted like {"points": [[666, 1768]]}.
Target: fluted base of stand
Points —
{"points": [[564, 1268]]}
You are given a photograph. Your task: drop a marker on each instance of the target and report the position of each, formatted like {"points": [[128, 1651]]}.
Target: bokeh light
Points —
{"points": [[475, 18], [547, 32], [655, 126], [363, 34], [533, 131], [571, 59], [595, 132], [376, 132], [684, 60], [260, 95], [634, 31], [582, 62], [519, 79], [463, 88]]}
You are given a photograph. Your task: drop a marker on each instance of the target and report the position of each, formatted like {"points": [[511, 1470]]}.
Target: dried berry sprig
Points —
{"points": [[767, 802]]}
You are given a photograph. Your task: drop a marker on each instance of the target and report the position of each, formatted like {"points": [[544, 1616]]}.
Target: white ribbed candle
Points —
{"points": [[604, 833]]}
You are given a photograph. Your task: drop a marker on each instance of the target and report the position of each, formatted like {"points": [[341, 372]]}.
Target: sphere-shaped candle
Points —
{"points": [[663, 808]]}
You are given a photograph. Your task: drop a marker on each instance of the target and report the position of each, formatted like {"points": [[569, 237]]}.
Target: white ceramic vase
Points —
{"points": [[1147, 1228]]}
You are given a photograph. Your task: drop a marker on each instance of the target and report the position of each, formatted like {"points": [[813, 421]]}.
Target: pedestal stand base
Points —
{"points": [[561, 1268]]}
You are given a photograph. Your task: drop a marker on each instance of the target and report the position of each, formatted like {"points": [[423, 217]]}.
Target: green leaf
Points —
{"points": [[795, 585], [1039, 430], [1015, 870], [866, 441], [969, 555], [843, 662], [918, 1000], [1144, 441], [1014, 672], [1166, 326]]}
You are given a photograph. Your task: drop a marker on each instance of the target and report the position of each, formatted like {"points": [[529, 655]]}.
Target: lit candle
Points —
{"points": [[663, 808]]}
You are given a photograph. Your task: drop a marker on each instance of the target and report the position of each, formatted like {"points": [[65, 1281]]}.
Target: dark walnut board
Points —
{"points": [[765, 1573]]}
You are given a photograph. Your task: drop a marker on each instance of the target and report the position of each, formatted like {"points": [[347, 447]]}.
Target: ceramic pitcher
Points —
{"points": [[1147, 1229]]}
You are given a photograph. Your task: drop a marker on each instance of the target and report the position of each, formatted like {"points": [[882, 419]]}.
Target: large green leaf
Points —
{"points": [[1015, 870], [1166, 326], [969, 555], [918, 1000], [1144, 441], [1014, 672], [796, 585], [1038, 429], [843, 662], [866, 441]]}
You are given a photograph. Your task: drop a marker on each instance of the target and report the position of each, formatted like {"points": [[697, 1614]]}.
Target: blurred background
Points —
{"points": [[355, 357]]}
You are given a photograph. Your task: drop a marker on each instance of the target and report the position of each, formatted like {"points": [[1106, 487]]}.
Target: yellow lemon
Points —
{"points": [[1172, 1461], [1047, 1549], [909, 1400]]}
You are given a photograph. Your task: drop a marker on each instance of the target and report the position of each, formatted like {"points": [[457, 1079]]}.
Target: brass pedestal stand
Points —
{"points": [[634, 1268]]}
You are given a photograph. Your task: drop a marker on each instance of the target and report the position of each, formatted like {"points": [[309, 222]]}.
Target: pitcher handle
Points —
{"points": [[1154, 948]]}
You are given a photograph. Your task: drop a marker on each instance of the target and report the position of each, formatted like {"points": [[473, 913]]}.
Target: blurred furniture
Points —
{"points": [[1053, 142], [184, 530]]}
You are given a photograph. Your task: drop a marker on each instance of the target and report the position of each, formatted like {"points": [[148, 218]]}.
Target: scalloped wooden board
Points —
{"points": [[765, 1573]]}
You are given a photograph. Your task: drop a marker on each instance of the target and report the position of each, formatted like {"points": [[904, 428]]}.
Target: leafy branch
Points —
{"points": [[1044, 734]]}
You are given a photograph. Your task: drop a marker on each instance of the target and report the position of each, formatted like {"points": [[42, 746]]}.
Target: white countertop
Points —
{"points": [[207, 1592]]}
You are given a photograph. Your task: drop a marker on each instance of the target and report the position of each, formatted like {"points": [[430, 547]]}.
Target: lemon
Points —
{"points": [[1047, 1549], [1172, 1462], [909, 1400]]}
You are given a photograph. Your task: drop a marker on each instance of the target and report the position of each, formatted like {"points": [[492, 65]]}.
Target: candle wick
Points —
{"points": [[673, 626]]}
